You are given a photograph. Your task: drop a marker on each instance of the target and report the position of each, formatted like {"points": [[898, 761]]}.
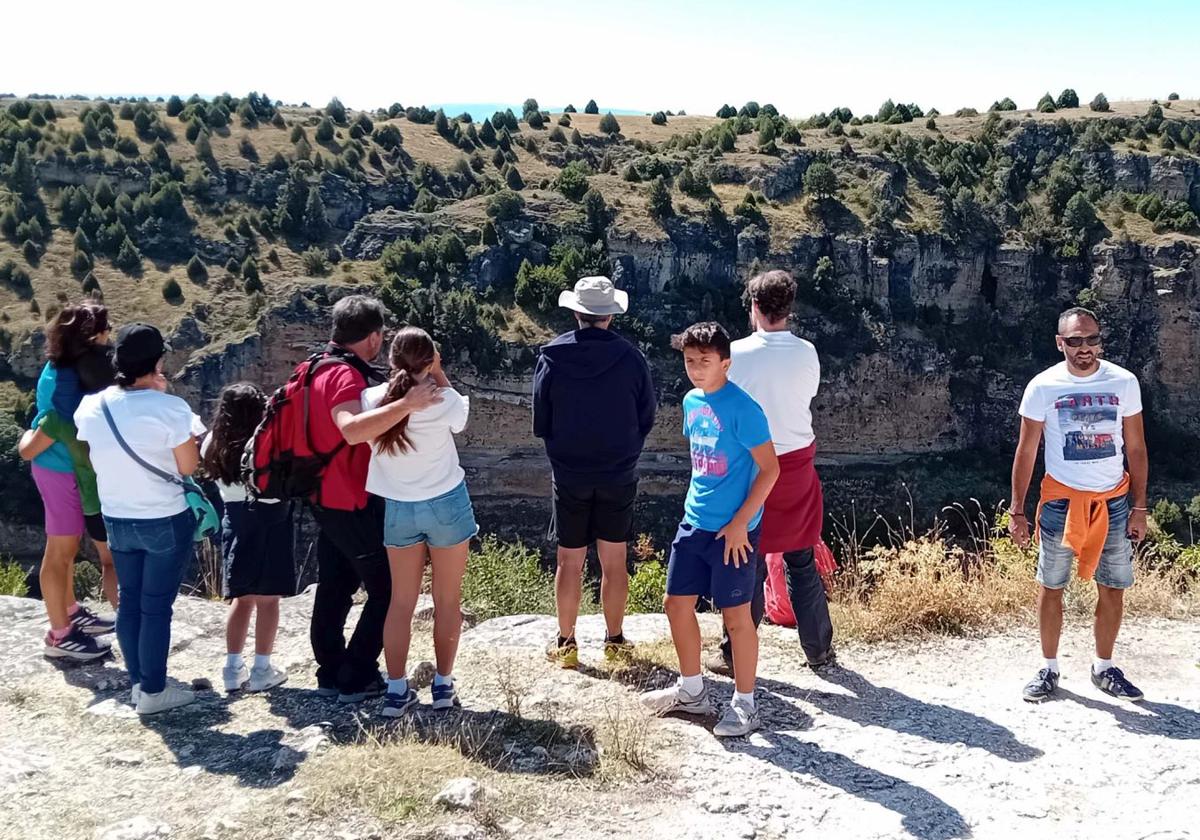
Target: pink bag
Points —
{"points": [[778, 605]]}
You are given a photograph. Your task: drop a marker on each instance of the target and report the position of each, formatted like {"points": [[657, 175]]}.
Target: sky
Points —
{"points": [[647, 55]]}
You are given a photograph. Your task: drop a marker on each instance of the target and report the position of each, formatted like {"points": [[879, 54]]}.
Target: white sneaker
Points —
{"points": [[675, 699], [262, 679], [135, 694], [171, 697], [235, 678], [739, 719]]}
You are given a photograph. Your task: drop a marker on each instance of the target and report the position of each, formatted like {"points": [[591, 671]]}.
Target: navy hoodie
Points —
{"points": [[593, 405]]}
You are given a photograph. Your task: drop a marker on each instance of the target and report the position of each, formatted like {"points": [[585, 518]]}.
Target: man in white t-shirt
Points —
{"points": [[1090, 412], [782, 373]]}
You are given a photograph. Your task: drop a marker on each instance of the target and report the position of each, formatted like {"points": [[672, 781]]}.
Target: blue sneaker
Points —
{"points": [[445, 696], [395, 705], [1112, 682]]}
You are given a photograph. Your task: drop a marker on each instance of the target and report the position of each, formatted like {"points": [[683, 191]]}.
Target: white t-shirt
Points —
{"points": [[429, 467], [1083, 416], [230, 492], [153, 424], [782, 373]]}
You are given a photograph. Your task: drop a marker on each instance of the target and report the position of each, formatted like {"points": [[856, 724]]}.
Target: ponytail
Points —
{"points": [[412, 352]]}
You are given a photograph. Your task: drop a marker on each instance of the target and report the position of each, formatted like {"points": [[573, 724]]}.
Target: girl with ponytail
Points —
{"points": [[415, 469]]}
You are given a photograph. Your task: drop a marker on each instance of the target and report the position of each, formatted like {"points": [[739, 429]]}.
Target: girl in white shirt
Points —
{"points": [[414, 467], [258, 567]]}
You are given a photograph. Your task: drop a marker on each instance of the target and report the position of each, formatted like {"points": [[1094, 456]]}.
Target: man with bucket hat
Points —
{"points": [[593, 405]]}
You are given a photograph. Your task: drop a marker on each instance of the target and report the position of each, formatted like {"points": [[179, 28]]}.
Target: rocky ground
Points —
{"points": [[929, 740]]}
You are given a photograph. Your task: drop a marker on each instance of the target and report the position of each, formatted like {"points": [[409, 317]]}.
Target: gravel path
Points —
{"points": [[926, 740]]}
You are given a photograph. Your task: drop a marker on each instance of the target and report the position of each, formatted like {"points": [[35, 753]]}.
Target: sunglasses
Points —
{"points": [[1080, 340]]}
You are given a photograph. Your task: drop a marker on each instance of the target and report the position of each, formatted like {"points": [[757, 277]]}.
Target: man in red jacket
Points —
{"points": [[781, 372]]}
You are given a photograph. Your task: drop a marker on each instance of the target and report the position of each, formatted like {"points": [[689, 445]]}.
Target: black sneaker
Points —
{"points": [[374, 688], [76, 645], [1042, 686], [1112, 682], [829, 660]]}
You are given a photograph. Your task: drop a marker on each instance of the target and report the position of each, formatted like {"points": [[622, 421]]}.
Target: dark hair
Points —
{"points": [[412, 351], [71, 332], [1076, 312], [355, 317], [238, 412], [773, 292], [590, 319], [708, 335]]}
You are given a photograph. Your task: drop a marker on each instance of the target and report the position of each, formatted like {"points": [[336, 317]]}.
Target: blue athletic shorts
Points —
{"points": [[440, 522], [697, 567]]}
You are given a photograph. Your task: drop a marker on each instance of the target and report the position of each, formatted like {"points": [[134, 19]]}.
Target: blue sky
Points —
{"points": [[802, 56]]}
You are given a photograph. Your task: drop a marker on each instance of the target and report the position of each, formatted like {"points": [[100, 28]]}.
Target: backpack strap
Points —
{"points": [[137, 459]]}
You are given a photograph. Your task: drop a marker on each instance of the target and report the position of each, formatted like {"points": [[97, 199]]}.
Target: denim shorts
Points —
{"points": [[440, 522], [1115, 569]]}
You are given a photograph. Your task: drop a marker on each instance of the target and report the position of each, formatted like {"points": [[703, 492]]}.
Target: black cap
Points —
{"points": [[137, 350]]}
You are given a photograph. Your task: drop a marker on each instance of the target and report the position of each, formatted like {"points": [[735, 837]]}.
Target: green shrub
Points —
{"points": [[591, 107], [197, 271], [538, 286], [1046, 104], [512, 177], [1099, 103], [171, 290], [81, 263], [572, 181], [820, 180], [1068, 99], [658, 200], [505, 205], [336, 111], [91, 285], [609, 124], [324, 132], [556, 135], [174, 106], [13, 580], [316, 262], [647, 587], [658, 118], [29, 250], [129, 258], [508, 579], [535, 119]]}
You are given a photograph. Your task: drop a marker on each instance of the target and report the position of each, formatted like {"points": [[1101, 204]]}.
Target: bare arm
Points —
{"points": [[1022, 471], [33, 443], [1139, 471], [187, 456], [735, 534], [358, 426]]}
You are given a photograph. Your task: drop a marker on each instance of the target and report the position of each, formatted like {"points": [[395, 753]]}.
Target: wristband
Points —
{"points": [[1014, 515], [1143, 510]]}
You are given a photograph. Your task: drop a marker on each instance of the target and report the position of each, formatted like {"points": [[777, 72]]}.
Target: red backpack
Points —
{"points": [[280, 460]]}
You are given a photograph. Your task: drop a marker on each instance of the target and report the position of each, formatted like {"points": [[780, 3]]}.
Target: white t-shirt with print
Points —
{"points": [[429, 467], [153, 424], [782, 373], [1083, 416]]}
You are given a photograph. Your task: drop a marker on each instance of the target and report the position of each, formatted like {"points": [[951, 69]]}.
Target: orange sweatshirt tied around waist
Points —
{"points": [[1087, 519]]}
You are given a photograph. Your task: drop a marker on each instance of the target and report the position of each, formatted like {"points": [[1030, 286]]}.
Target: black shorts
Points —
{"points": [[256, 548], [94, 525], [583, 514]]}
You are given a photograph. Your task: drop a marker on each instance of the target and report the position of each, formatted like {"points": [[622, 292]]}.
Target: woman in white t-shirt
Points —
{"points": [[150, 527], [414, 467]]}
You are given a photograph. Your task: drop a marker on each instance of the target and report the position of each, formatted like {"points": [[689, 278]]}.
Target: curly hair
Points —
{"points": [[707, 335], [239, 410], [70, 334], [412, 351], [773, 292]]}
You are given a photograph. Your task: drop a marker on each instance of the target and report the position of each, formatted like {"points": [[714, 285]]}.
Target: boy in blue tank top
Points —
{"points": [[733, 470]]}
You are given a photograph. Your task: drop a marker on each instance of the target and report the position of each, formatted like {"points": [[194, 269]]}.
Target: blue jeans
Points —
{"points": [[151, 556], [1115, 569]]}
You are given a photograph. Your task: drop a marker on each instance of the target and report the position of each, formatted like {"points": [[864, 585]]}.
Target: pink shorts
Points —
{"points": [[60, 498]]}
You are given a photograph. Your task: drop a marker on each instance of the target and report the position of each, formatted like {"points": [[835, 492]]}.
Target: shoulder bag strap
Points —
{"points": [[163, 474]]}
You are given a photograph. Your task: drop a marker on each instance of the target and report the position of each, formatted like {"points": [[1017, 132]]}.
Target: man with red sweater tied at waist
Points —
{"points": [[1090, 412], [782, 373]]}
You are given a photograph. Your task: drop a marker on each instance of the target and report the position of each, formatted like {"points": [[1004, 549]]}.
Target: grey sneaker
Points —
{"points": [[717, 662], [675, 699], [171, 697], [1041, 687], [739, 719], [235, 678], [135, 694], [264, 679]]}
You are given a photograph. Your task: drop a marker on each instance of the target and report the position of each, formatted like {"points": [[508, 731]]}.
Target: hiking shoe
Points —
{"points": [[445, 696], [617, 649], [76, 645], [675, 699], [739, 719], [235, 678], [1042, 686], [171, 697], [829, 660], [395, 705], [718, 663], [92, 624], [1112, 682], [372, 689], [263, 679], [563, 652]]}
